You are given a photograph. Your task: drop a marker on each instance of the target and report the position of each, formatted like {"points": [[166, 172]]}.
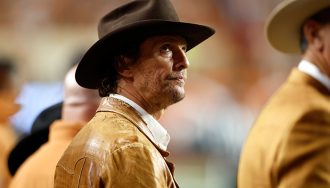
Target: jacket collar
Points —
{"points": [[312, 70], [113, 104], [297, 76]]}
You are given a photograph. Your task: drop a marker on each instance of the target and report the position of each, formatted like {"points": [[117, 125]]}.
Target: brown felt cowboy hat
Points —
{"points": [[285, 21], [132, 23]]}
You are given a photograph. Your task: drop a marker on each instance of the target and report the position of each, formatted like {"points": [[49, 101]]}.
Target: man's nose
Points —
{"points": [[181, 60]]}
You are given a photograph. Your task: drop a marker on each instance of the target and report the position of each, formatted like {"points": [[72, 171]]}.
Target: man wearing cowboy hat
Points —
{"points": [[139, 65], [289, 145]]}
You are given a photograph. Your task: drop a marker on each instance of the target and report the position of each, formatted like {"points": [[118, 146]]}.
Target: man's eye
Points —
{"points": [[166, 50], [184, 48]]}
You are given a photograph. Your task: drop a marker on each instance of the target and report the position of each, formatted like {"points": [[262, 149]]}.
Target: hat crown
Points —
{"points": [[134, 12]]}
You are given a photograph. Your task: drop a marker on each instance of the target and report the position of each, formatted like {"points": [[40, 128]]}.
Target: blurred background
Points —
{"points": [[232, 74]]}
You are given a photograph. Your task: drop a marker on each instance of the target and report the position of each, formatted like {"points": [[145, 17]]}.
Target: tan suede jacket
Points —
{"points": [[112, 150], [289, 144]]}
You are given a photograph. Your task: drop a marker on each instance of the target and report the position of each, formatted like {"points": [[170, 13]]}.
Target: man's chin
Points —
{"points": [[178, 96]]}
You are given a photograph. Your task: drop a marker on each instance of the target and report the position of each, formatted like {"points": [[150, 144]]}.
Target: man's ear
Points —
{"points": [[313, 36], [124, 67]]}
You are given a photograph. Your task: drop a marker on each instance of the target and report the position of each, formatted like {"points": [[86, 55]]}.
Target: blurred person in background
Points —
{"points": [[8, 107], [289, 144], [79, 106], [30, 143], [35, 96], [139, 66]]}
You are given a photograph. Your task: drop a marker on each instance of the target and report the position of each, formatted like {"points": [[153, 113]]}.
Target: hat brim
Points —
{"points": [[284, 23], [92, 67]]}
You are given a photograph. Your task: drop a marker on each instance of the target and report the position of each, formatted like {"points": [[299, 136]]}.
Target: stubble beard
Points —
{"points": [[173, 94], [167, 98]]}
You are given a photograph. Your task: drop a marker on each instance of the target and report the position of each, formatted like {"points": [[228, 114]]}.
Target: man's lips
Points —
{"points": [[177, 78]]}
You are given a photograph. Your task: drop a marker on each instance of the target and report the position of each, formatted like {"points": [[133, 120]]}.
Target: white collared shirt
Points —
{"points": [[313, 71], [157, 131]]}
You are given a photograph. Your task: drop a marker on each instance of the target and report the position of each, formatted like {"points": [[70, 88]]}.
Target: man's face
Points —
{"points": [[317, 34], [325, 34], [161, 70]]}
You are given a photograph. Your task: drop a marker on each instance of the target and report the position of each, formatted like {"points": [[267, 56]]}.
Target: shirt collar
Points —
{"points": [[157, 131], [313, 71]]}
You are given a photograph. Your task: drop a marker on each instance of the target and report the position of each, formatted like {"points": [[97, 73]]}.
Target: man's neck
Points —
{"points": [[156, 113]]}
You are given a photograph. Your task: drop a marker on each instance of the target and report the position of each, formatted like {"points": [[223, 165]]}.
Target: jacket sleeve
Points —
{"points": [[135, 165], [131, 165], [86, 174], [304, 159]]}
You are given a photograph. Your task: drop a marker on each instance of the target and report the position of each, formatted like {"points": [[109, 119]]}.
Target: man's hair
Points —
{"points": [[321, 17], [109, 82]]}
